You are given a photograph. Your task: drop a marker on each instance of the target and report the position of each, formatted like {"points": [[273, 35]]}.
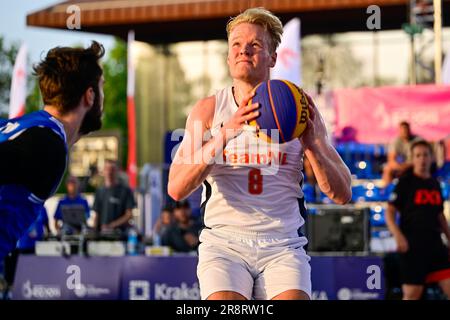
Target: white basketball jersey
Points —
{"points": [[254, 186]]}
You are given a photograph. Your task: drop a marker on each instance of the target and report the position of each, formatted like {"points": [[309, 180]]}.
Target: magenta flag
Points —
{"points": [[374, 113]]}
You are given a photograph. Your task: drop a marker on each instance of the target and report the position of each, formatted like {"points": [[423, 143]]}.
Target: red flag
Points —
{"points": [[132, 165]]}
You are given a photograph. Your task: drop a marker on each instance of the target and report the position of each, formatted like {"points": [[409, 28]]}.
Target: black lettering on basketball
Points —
{"points": [[303, 116]]}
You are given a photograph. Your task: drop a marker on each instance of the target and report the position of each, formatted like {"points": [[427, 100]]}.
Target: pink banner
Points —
{"points": [[373, 114]]}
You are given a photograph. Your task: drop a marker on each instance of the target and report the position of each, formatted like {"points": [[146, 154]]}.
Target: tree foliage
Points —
{"points": [[115, 90], [8, 55]]}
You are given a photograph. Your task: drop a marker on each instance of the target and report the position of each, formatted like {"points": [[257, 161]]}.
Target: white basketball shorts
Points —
{"points": [[255, 266]]}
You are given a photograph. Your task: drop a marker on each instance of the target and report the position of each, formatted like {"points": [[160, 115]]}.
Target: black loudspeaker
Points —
{"points": [[338, 229]]}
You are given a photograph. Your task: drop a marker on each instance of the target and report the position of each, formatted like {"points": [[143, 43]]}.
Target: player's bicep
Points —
{"points": [[391, 209], [397, 197], [195, 133]]}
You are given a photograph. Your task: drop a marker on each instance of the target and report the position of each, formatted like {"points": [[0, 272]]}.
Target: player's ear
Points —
{"points": [[273, 59], [89, 97]]}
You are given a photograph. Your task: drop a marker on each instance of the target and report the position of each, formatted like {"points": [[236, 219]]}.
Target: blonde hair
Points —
{"points": [[262, 17]]}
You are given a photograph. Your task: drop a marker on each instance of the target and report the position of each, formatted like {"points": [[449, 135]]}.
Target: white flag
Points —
{"points": [[18, 91], [446, 69], [288, 66], [130, 64]]}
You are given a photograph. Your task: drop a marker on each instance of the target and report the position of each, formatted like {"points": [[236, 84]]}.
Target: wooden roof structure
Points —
{"points": [[167, 21]]}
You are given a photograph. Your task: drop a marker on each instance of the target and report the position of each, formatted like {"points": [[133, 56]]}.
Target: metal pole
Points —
{"points": [[166, 108], [412, 79], [437, 41], [375, 59], [412, 21]]}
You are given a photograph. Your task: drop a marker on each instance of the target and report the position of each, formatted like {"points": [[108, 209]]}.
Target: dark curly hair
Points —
{"points": [[66, 73]]}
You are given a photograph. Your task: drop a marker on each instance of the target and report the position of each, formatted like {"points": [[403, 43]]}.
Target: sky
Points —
{"points": [[39, 40]]}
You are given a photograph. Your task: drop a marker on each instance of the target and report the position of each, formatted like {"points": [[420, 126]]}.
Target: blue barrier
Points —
{"points": [[364, 160], [174, 278]]}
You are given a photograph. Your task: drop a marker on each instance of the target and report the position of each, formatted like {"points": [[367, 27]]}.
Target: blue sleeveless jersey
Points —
{"points": [[19, 207]]}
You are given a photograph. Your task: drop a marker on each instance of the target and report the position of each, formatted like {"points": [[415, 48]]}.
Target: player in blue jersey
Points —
{"points": [[34, 148]]}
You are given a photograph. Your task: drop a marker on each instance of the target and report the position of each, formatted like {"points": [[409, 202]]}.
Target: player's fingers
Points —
{"points": [[246, 99], [248, 109], [310, 101], [310, 125], [250, 116], [312, 112]]}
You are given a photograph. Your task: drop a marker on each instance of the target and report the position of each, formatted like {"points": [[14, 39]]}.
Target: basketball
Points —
{"points": [[283, 107]]}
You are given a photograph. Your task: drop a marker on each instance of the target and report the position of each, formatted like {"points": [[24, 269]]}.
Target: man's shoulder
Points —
{"points": [[401, 181], [81, 199], [435, 182], [173, 229], [122, 190], [397, 141], [204, 109], [61, 201], [42, 136], [100, 191], [123, 186]]}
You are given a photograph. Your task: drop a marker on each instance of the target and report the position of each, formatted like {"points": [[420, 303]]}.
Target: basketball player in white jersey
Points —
{"points": [[251, 247]]}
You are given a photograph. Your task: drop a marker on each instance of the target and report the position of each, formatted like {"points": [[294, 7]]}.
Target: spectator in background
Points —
{"points": [[418, 197], [182, 236], [114, 202], [399, 158], [164, 222], [348, 134], [72, 204]]}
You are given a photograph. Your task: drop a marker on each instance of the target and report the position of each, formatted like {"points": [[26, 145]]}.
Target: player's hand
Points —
{"points": [[316, 131], [243, 115], [191, 239], [106, 227], [402, 243]]}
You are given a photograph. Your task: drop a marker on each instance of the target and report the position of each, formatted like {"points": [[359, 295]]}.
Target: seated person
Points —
{"points": [[164, 222], [72, 204], [182, 236], [399, 158], [113, 203]]}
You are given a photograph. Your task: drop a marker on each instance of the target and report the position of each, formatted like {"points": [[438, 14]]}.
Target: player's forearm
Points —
{"points": [[56, 225], [390, 222], [332, 175], [188, 173], [121, 220], [185, 178]]}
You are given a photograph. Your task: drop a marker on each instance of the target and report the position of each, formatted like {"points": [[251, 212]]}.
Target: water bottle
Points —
{"points": [[132, 242], [82, 240], [156, 240]]}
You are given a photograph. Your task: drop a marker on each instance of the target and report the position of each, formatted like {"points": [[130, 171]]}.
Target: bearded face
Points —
{"points": [[92, 120]]}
